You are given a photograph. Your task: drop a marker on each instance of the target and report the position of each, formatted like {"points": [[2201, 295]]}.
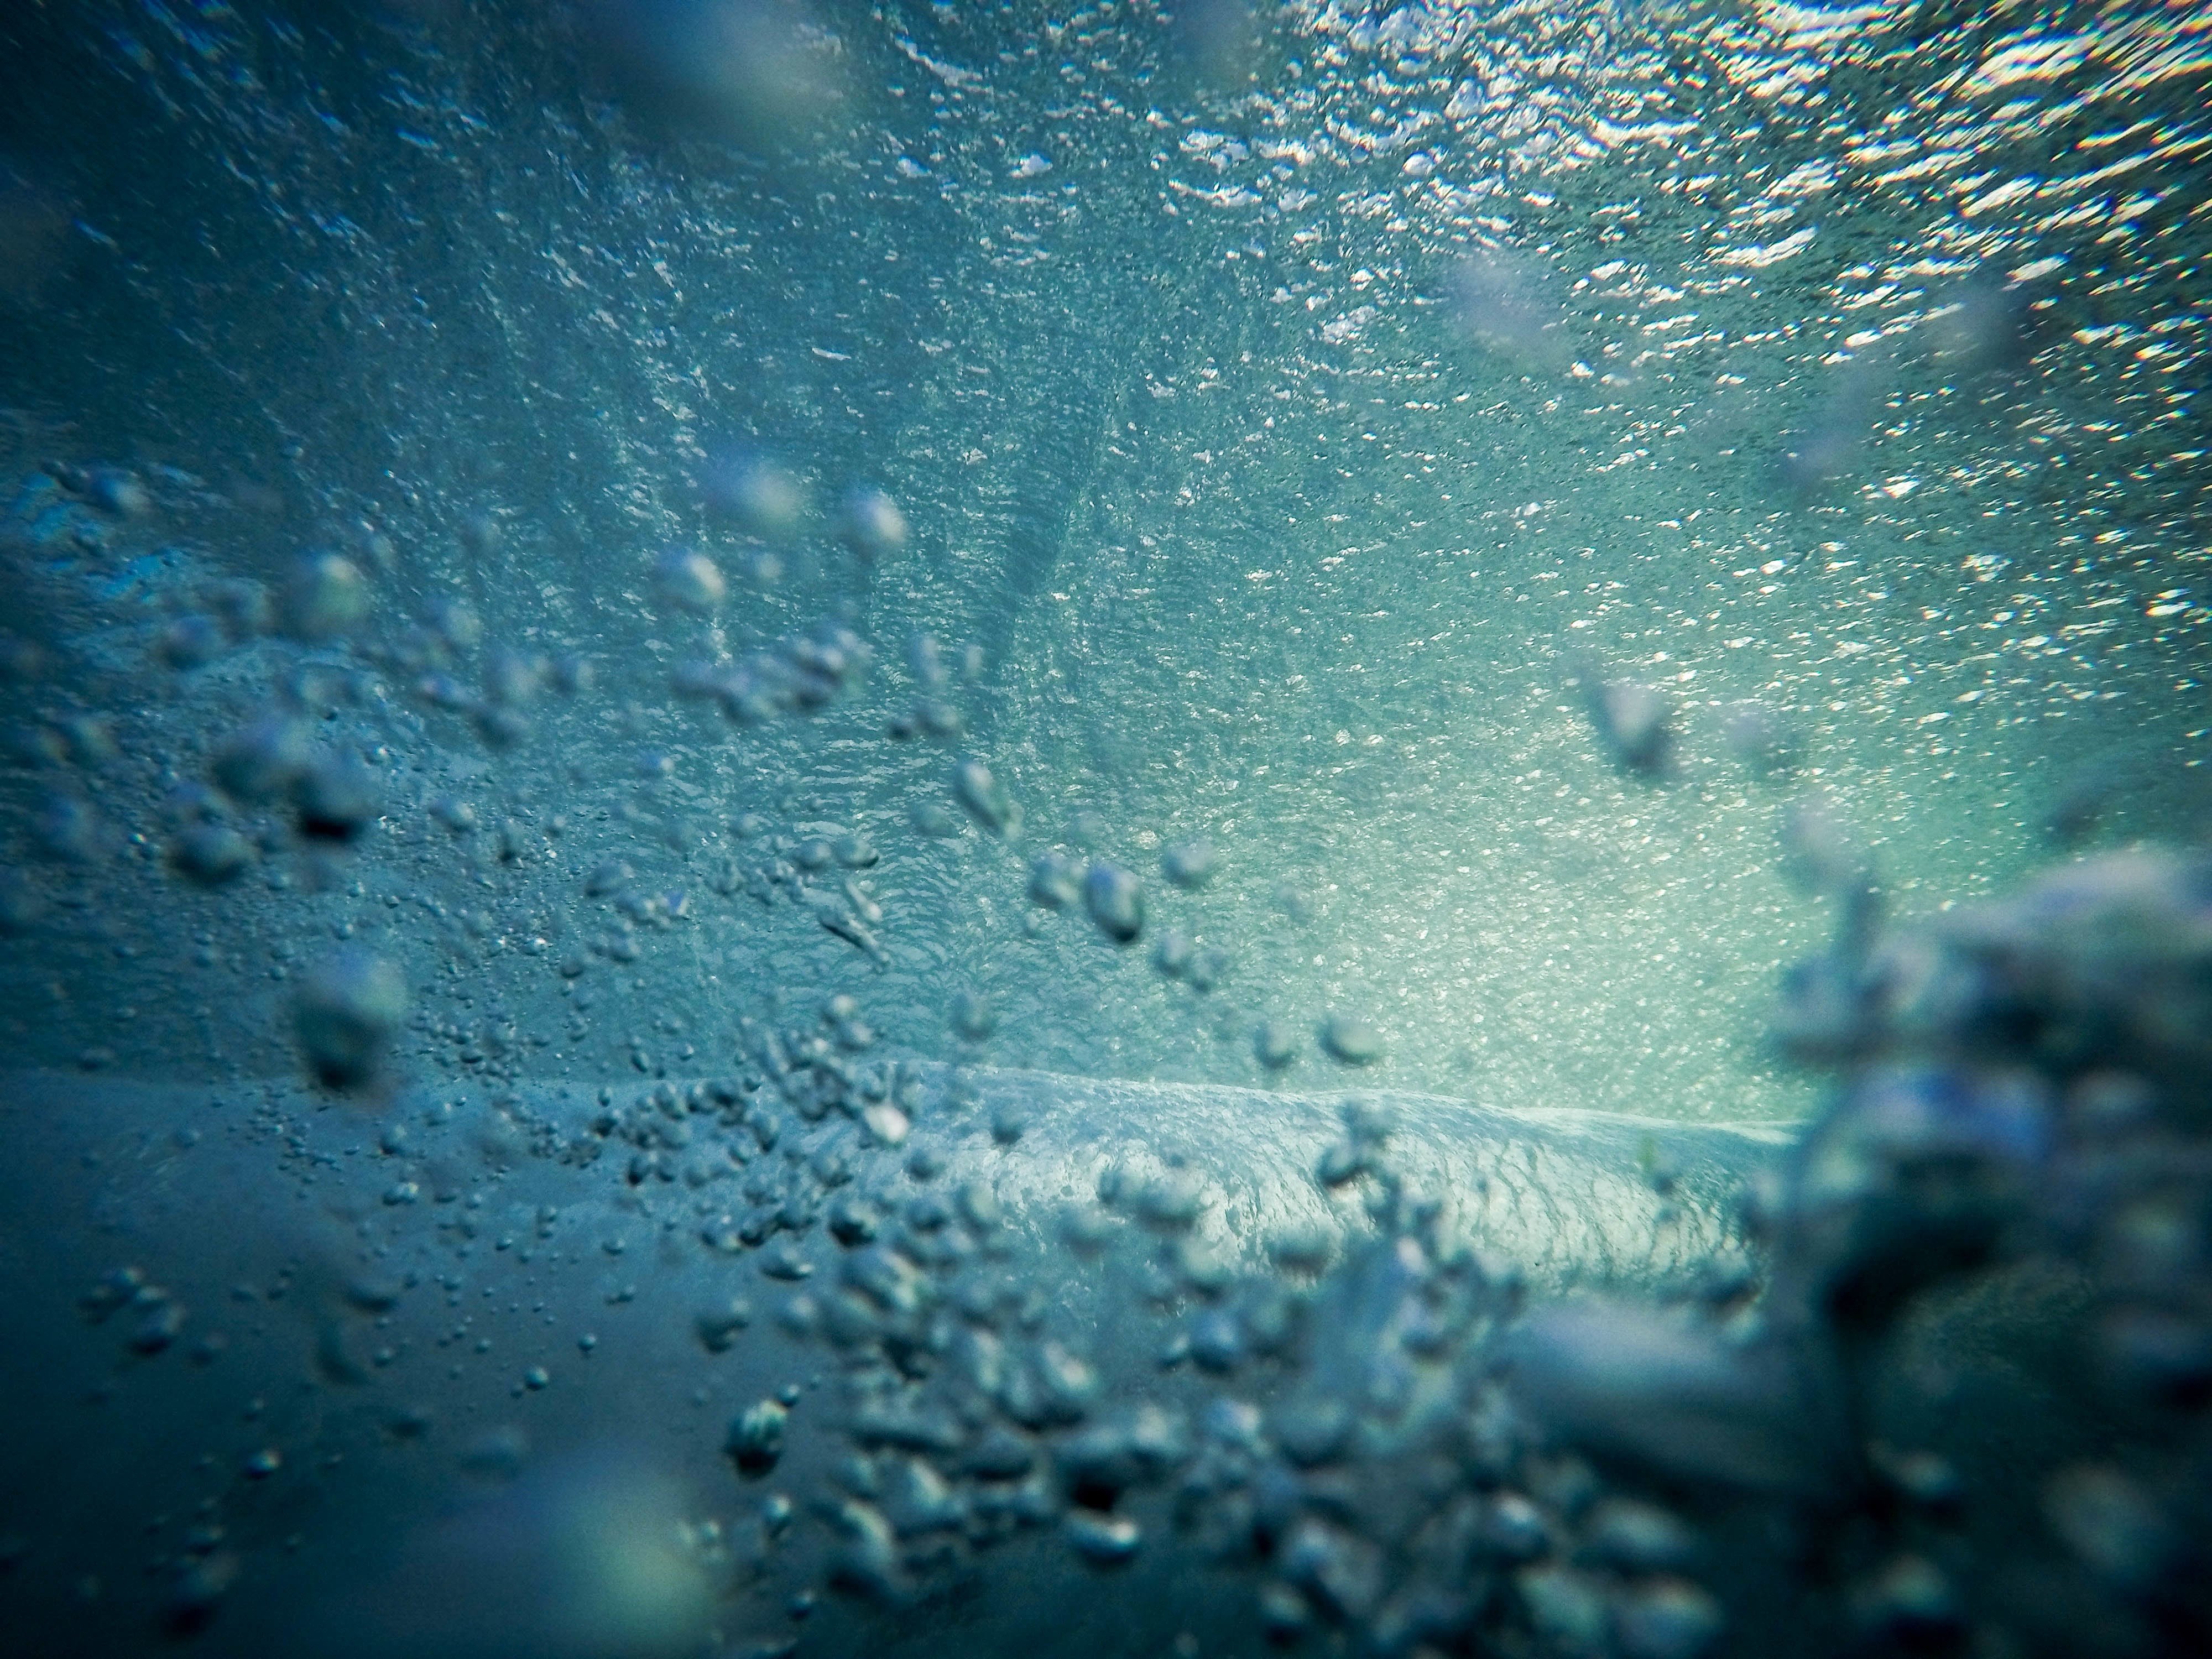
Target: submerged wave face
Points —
{"points": [[1115, 829]]}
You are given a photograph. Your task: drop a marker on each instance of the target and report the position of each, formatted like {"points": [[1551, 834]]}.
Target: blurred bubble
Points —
{"points": [[871, 524], [761, 494], [764, 75], [972, 1018], [1116, 900], [212, 854], [1218, 40], [196, 1589], [23, 662], [2084, 798], [244, 607], [687, 581], [456, 624], [1761, 739], [1986, 324], [324, 595], [192, 641], [1634, 722], [924, 657], [1822, 851], [1500, 303], [1627, 1381], [1275, 1044], [265, 759], [1351, 1040], [1055, 881], [512, 678], [338, 797], [1828, 448], [755, 1442], [480, 535], [2109, 1522], [592, 1557], [986, 797], [346, 1014], [118, 490], [68, 829], [1189, 864]]}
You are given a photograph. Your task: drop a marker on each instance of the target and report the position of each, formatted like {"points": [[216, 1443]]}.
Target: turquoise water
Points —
{"points": [[1280, 424], [514, 519]]}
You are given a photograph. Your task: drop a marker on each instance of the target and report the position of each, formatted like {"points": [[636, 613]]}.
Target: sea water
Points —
{"points": [[575, 569]]}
